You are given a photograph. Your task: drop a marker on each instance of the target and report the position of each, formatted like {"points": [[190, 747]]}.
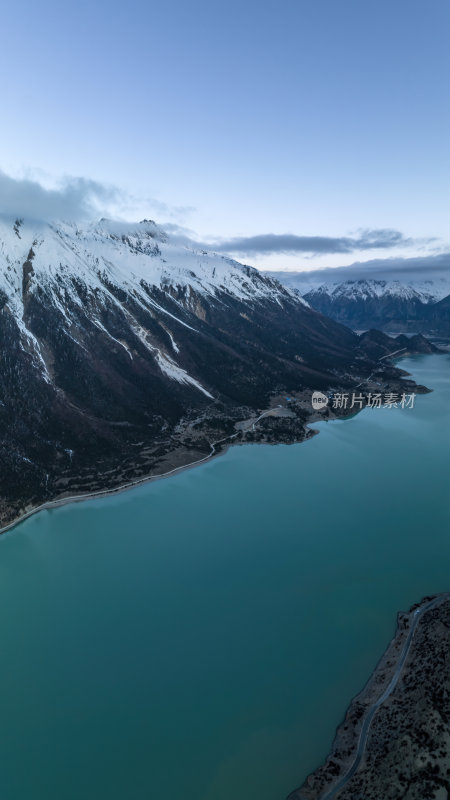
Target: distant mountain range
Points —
{"points": [[419, 306], [123, 353]]}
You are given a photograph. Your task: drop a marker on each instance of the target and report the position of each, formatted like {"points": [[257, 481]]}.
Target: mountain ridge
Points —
{"points": [[391, 306], [125, 354]]}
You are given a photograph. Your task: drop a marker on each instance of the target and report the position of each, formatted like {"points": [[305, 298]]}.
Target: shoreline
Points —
{"points": [[349, 746], [314, 417], [125, 487], [101, 493]]}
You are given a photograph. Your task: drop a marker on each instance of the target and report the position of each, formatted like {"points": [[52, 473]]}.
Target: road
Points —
{"points": [[130, 484], [388, 355], [419, 612]]}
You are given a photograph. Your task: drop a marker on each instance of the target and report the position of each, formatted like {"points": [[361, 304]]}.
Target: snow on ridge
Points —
{"points": [[128, 254], [81, 267], [365, 289], [430, 288]]}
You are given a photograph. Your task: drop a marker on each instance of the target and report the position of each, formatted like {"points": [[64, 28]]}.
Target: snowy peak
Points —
{"points": [[391, 306], [128, 255], [430, 285], [146, 228], [100, 261], [366, 289], [133, 283]]}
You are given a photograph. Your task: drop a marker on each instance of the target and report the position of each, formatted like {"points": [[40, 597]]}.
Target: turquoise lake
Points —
{"points": [[201, 637]]}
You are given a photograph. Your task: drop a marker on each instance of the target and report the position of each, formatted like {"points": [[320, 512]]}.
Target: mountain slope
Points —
{"points": [[123, 353]]}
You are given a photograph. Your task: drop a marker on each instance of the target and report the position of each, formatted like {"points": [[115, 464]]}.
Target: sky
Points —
{"points": [[294, 134]]}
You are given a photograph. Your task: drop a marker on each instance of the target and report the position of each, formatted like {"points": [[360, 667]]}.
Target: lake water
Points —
{"points": [[201, 637]]}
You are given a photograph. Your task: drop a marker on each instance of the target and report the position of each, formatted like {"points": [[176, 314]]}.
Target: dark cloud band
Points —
{"points": [[430, 267], [283, 244]]}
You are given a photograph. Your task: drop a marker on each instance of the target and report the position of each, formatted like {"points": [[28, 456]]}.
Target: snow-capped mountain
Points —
{"points": [[431, 285], [118, 346], [377, 289], [70, 266], [390, 306]]}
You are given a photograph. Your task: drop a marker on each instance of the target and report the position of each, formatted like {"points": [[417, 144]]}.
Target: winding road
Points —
{"points": [[418, 613]]}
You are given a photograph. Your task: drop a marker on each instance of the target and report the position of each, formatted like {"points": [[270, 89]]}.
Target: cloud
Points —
{"points": [[436, 265], [181, 235], [419, 268], [132, 207], [76, 199], [271, 243]]}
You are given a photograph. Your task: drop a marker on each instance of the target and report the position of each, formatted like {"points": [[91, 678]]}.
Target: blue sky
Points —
{"points": [[238, 120]]}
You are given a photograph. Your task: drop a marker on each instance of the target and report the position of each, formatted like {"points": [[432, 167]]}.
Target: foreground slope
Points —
{"points": [[395, 740]]}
